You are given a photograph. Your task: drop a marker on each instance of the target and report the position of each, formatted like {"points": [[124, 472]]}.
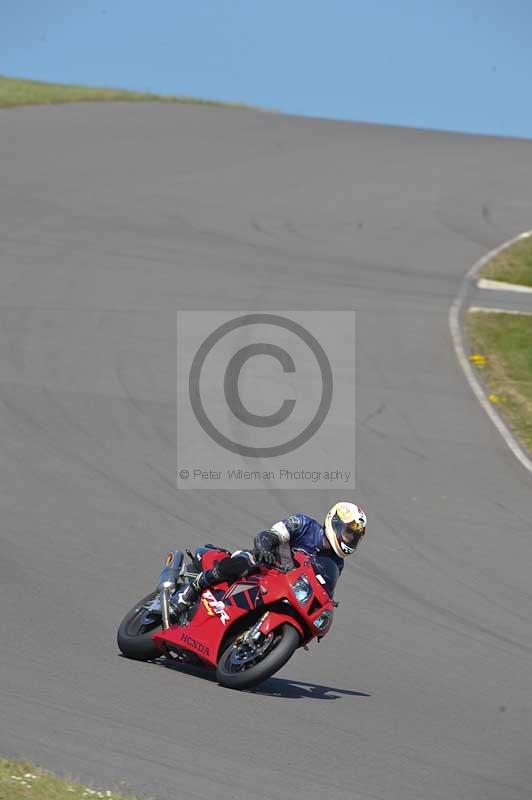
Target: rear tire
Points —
{"points": [[284, 644], [134, 638]]}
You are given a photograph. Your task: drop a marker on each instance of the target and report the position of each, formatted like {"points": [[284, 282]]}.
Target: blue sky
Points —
{"points": [[454, 65]]}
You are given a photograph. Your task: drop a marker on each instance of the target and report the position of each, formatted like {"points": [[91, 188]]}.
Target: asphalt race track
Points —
{"points": [[111, 218]]}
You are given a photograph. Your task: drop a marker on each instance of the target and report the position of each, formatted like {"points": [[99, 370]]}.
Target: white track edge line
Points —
{"points": [[486, 310], [502, 286], [456, 335]]}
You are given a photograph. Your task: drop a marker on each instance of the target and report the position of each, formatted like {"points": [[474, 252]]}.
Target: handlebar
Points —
{"points": [[279, 567]]}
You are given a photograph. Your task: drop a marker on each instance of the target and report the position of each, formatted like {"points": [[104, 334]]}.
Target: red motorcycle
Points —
{"points": [[246, 630]]}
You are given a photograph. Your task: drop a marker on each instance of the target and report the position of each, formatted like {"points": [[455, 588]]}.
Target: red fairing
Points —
{"points": [[221, 609]]}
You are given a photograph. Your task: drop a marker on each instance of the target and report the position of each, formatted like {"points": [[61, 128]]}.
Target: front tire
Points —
{"points": [[134, 634], [235, 673]]}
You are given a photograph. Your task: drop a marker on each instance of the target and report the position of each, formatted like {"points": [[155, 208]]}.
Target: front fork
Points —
{"points": [[267, 623], [252, 634]]}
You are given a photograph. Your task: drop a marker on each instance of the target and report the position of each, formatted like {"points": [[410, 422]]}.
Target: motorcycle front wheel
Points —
{"points": [[135, 631], [243, 665]]}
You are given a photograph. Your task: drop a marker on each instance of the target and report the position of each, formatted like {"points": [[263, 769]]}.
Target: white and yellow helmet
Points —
{"points": [[344, 525]]}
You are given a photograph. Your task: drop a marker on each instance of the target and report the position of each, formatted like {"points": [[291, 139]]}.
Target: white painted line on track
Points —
{"points": [[501, 286], [456, 334], [485, 310]]}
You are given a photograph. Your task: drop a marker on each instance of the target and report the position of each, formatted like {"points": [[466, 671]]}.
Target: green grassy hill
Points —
{"points": [[20, 92]]}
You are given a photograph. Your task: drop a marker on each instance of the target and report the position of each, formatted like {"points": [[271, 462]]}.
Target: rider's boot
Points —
{"points": [[185, 599], [228, 569]]}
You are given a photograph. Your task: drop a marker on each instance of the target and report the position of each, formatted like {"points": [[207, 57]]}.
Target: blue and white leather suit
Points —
{"points": [[305, 533]]}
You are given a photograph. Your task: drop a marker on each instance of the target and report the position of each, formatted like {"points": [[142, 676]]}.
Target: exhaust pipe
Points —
{"points": [[164, 589], [168, 581]]}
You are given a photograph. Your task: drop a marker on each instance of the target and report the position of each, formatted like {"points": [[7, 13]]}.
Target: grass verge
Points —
{"points": [[19, 92], [513, 265], [20, 780], [501, 350]]}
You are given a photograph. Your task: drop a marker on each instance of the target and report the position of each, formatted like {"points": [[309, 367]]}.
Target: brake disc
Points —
{"points": [[243, 653]]}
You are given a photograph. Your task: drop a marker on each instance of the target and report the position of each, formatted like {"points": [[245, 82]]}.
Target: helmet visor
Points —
{"points": [[348, 534]]}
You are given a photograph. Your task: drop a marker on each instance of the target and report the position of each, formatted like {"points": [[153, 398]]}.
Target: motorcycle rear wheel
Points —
{"points": [[134, 638], [235, 675]]}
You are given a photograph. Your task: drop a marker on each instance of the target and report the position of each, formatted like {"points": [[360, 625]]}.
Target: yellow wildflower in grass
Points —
{"points": [[478, 359]]}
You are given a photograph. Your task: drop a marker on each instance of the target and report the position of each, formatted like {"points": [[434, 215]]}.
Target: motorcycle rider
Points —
{"points": [[327, 544]]}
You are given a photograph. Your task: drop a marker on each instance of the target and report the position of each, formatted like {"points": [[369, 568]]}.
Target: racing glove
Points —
{"points": [[264, 545]]}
